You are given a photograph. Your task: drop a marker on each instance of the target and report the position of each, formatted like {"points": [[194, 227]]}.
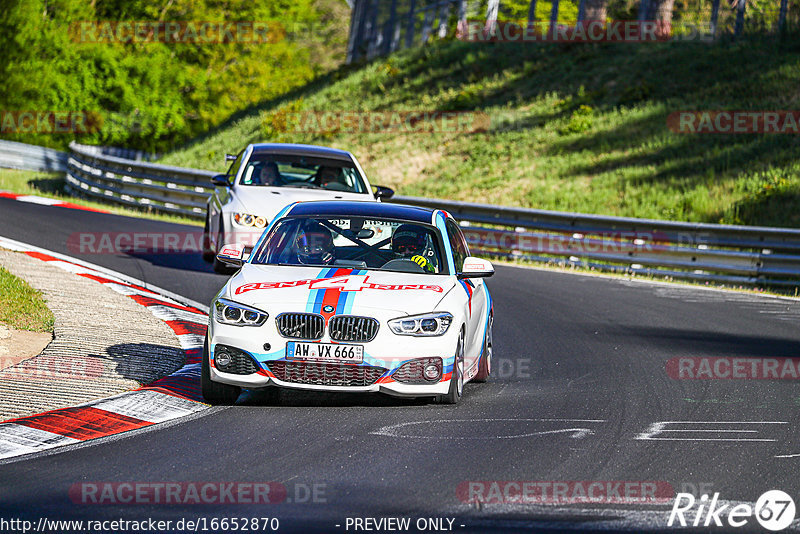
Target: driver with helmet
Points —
{"points": [[410, 241], [314, 245]]}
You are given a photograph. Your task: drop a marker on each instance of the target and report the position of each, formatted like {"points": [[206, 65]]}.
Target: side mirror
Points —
{"points": [[220, 180], [230, 157], [383, 192], [476, 268], [232, 255]]}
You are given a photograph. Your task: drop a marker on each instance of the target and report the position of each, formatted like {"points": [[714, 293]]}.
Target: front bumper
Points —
{"points": [[386, 351]]}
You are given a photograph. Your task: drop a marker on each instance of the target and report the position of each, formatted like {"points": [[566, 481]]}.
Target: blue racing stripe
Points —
{"points": [[314, 302]]}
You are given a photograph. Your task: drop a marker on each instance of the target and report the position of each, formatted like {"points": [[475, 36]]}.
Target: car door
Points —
{"points": [[476, 297]]}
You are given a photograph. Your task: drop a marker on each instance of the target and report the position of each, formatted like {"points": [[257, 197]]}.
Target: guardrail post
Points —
{"points": [[644, 7], [356, 39], [491, 16], [740, 8], [782, 17], [714, 17], [444, 15], [373, 37], [553, 18], [410, 24], [427, 22], [581, 10], [389, 30]]}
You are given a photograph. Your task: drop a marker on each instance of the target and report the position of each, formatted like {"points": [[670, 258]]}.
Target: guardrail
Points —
{"points": [[722, 253], [140, 184], [15, 155]]}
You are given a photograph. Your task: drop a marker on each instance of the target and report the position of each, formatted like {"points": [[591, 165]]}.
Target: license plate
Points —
{"points": [[329, 352]]}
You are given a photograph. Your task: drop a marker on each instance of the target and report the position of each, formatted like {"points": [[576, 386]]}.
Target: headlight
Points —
{"points": [[427, 324], [247, 219], [227, 312]]}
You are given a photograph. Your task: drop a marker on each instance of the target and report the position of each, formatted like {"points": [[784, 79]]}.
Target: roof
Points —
{"points": [[301, 150], [334, 208]]}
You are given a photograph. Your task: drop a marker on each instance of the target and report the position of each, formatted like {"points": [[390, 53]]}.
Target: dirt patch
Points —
{"points": [[19, 345]]}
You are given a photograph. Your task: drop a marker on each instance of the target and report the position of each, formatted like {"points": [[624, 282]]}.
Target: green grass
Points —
{"points": [[21, 306], [573, 127], [51, 185]]}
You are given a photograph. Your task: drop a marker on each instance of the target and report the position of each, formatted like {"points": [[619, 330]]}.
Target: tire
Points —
{"points": [[208, 252], [213, 392], [457, 378], [219, 267], [485, 366]]}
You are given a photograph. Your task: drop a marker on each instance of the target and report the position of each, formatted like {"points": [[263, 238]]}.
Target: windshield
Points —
{"points": [[277, 170], [354, 242]]}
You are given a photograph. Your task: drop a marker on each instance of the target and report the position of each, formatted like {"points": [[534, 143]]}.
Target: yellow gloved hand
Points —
{"points": [[422, 262]]}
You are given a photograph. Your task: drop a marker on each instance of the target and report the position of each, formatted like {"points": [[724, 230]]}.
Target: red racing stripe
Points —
{"points": [[331, 296]]}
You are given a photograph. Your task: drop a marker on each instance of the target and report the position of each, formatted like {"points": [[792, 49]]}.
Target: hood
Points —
{"points": [[268, 201], [277, 289]]}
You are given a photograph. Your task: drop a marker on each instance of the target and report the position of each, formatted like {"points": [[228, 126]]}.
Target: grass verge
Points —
{"points": [[21, 306], [580, 127]]}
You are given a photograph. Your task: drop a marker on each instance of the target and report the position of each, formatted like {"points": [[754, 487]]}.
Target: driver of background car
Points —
{"points": [[269, 174], [314, 245], [329, 175], [411, 241]]}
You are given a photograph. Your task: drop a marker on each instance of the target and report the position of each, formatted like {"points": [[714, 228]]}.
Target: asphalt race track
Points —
{"points": [[580, 393]]}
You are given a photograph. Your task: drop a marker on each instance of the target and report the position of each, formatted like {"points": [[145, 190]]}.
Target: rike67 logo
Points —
{"points": [[774, 510]]}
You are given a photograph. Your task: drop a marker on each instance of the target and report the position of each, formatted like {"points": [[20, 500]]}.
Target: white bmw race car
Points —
{"points": [[264, 178], [351, 296]]}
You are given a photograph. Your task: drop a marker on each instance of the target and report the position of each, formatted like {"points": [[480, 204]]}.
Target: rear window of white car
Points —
{"points": [[274, 170]]}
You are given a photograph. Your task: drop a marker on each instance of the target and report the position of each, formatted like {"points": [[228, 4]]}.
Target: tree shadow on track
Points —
{"points": [[706, 343]]}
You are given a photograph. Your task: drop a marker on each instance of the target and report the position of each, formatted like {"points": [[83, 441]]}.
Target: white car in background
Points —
{"points": [[266, 177]]}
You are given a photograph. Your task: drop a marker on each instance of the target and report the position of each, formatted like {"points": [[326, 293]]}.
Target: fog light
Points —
{"points": [[419, 371], [222, 359], [431, 371]]}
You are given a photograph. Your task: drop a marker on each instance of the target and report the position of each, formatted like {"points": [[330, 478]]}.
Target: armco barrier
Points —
{"points": [[15, 155], [723, 253]]}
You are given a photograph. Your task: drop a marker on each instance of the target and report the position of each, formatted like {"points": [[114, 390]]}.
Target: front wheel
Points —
{"points": [[213, 392], [453, 395]]}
